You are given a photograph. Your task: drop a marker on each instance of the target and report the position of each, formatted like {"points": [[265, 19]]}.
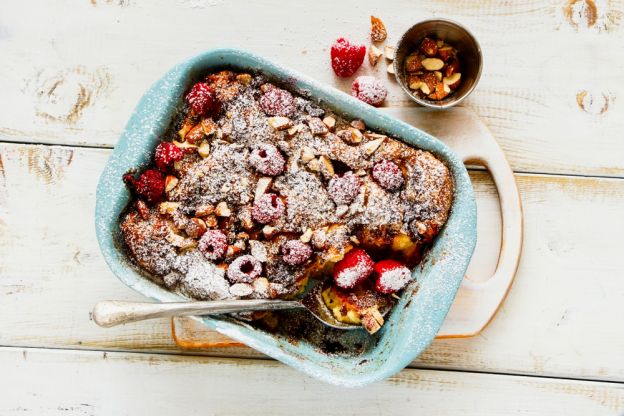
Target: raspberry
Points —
{"points": [[344, 188], [388, 175], [268, 208], [346, 57], [166, 154], [245, 269], [278, 102], [370, 90], [353, 269], [295, 252], [201, 98], [267, 159], [392, 276], [213, 244], [150, 185]]}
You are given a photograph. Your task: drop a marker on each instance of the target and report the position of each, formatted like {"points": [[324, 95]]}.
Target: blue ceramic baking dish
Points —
{"points": [[418, 315]]}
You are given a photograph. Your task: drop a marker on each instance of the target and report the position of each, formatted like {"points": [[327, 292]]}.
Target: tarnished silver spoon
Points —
{"points": [[109, 313]]}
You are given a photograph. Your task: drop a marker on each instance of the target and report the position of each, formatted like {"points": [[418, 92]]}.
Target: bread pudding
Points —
{"points": [[256, 191]]}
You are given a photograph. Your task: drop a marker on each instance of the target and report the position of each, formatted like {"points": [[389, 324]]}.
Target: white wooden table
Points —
{"points": [[70, 75]]}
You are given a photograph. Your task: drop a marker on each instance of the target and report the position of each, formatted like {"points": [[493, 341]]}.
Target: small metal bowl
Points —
{"points": [[468, 52]]}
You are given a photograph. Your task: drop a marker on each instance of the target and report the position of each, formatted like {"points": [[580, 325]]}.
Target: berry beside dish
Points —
{"points": [[257, 190]]}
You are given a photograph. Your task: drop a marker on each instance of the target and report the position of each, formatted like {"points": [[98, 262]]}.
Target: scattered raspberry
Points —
{"points": [[213, 244], [353, 269], [267, 159], [166, 154], [392, 276], [388, 175], [370, 90], [344, 188], [296, 252], [201, 98], [346, 57], [150, 185], [278, 102], [268, 208], [245, 269]]}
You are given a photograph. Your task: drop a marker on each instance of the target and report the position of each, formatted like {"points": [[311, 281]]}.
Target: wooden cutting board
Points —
{"points": [[478, 299]]}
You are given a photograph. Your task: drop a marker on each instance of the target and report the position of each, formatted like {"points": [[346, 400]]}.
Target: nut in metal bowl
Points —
{"points": [[468, 52]]}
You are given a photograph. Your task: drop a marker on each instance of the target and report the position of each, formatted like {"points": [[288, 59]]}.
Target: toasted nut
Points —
{"points": [[319, 238], [354, 240], [413, 63], [390, 69], [204, 149], [244, 215], [241, 289], [341, 210], [294, 130], [432, 64], [210, 221], [306, 236], [279, 123], [429, 47], [416, 85], [186, 127], [232, 251], [222, 209], [261, 285], [195, 135], [142, 209], [358, 124], [360, 172], [425, 89], [440, 43], [244, 79], [372, 146], [185, 145], [446, 53], [378, 30], [195, 228], [430, 79], [372, 320], [266, 87], [317, 127], [453, 80], [240, 244], [258, 250], [268, 231], [374, 54], [170, 182], [180, 242], [167, 208], [389, 52], [208, 126], [203, 210], [441, 91], [307, 154], [314, 165], [263, 185], [327, 167], [438, 75], [373, 136], [451, 68], [330, 122]]}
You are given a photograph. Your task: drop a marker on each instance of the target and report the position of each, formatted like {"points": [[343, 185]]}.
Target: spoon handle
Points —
{"points": [[113, 312]]}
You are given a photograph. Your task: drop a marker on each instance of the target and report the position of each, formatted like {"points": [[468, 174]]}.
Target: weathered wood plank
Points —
{"points": [[96, 383], [553, 70], [560, 319]]}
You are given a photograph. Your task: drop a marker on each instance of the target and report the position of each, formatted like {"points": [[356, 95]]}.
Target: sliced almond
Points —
{"points": [[263, 185], [170, 183], [432, 64], [330, 122], [222, 209], [372, 146], [279, 123], [373, 136], [306, 236], [416, 85], [374, 54], [167, 208], [389, 52], [294, 129], [390, 69], [327, 167], [438, 75], [307, 154], [204, 149], [425, 89], [453, 80]]}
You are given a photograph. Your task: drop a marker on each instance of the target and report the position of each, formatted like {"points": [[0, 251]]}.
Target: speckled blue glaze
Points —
{"points": [[414, 322]]}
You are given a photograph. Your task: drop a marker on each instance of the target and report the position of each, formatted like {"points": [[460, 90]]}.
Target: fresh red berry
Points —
{"points": [[370, 90], [201, 98], [267, 159], [245, 269], [353, 269], [296, 252], [388, 175], [392, 276], [213, 244], [268, 208], [166, 154], [346, 57], [278, 102], [344, 188], [150, 185]]}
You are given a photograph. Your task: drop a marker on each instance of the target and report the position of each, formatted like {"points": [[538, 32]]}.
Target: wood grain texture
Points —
{"points": [[96, 383], [552, 77], [560, 319]]}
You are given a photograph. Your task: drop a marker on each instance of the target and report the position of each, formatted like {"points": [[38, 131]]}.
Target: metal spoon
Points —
{"points": [[109, 313]]}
